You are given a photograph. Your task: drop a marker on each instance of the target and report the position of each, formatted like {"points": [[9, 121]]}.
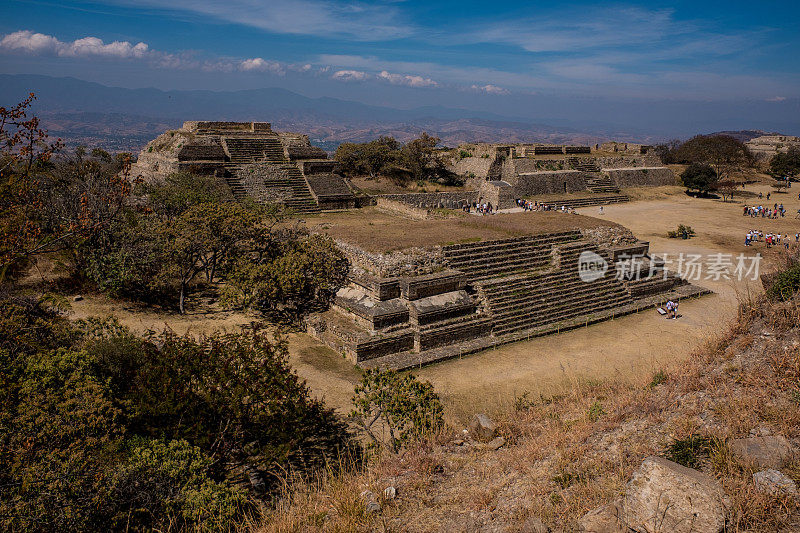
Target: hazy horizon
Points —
{"points": [[666, 69]]}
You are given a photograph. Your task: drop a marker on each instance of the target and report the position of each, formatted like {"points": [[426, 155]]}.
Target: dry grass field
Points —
{"points": [[379, 231]]}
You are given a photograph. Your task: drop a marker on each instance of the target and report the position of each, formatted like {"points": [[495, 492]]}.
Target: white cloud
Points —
{"points": [[258, 64], [350, 75], [31, 43], [407, 79], [776, 99], [490, 89], [40, 44]]}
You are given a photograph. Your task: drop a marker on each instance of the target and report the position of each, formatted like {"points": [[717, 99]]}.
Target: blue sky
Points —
{"points": [[532, 57]]}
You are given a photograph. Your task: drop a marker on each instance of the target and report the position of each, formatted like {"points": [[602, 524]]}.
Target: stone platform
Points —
{"points": [[483, 294], [253, 160]]}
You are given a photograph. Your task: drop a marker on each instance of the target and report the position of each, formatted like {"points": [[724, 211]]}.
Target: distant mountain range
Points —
{"points": [[117, 119]]}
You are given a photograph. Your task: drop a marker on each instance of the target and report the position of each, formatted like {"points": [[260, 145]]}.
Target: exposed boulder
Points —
{"points": [[534, 525], [764, 452], [774, 482], [482, 428], [665, 496], [604, 519]]}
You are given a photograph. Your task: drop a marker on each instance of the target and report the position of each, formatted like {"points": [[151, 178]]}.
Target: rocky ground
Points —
{"points": [[603, 457]]}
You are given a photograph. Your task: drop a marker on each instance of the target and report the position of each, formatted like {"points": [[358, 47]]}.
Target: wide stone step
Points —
{"points": [[532, 293], [576, 308], [542, 304], [456, 249], [530, 321], [533, 322], [531, 260]]}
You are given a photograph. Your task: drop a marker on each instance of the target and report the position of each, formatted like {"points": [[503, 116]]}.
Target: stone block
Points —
{"points": [[773, 482], [665, 496], [605, 519], [764, 452], [482, 428]]}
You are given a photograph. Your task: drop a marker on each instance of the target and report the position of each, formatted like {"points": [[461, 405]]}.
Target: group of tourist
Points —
{"points": [[485, 208], [756, 211], [531, 205], [771, 239]]}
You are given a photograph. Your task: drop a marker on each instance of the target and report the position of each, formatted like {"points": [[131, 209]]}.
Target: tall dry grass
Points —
{"points": [[569, 453]]}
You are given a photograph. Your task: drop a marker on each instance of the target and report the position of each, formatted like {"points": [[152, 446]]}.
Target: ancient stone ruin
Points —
{"points": [[416, 306], [769, 145], [255, 162], [502, 173]]}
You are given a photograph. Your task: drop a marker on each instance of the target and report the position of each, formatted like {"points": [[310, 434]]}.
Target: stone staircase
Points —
{"points": [[583, 164], [235, 185], [243, 150], [587, 202], [288, 185], [301, 200], [509, 257], [535, 299], [601, 184]]}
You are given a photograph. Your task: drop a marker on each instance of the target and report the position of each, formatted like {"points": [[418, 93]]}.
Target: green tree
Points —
{"points": [[420, 158], [403, 406], [721, 152], [785, 164], [699, 177], [291, 275], [370, 158], [181, 191]]}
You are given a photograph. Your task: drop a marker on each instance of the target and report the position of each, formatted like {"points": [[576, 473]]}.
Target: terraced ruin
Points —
{"points": [[423, 304], [426, 285], [500, 174], [255, 162]]}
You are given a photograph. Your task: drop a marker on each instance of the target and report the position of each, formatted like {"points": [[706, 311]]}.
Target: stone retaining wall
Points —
{"points": [[410, 211], [636, 177], [555, 182], [410, 262], [434, 200]]}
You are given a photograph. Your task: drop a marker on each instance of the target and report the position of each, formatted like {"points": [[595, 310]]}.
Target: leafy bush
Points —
{"points": [[405, 406], [786, 284], [659, 378], [101, 429], [595, 411], [683, 232], [692, 450], [166, 485]]}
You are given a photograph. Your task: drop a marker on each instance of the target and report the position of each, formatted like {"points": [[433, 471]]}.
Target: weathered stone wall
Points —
{"points": [[410, 262], [557, 182], [434, 200], [626, 148], [649, 159], [226, 126], [477, 167], [498, 193], [642, 176], [406, 210], [154, 166], [252, 178]]}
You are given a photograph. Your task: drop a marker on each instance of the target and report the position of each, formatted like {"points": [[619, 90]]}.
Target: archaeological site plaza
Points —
{"points": [[427, 281]]}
